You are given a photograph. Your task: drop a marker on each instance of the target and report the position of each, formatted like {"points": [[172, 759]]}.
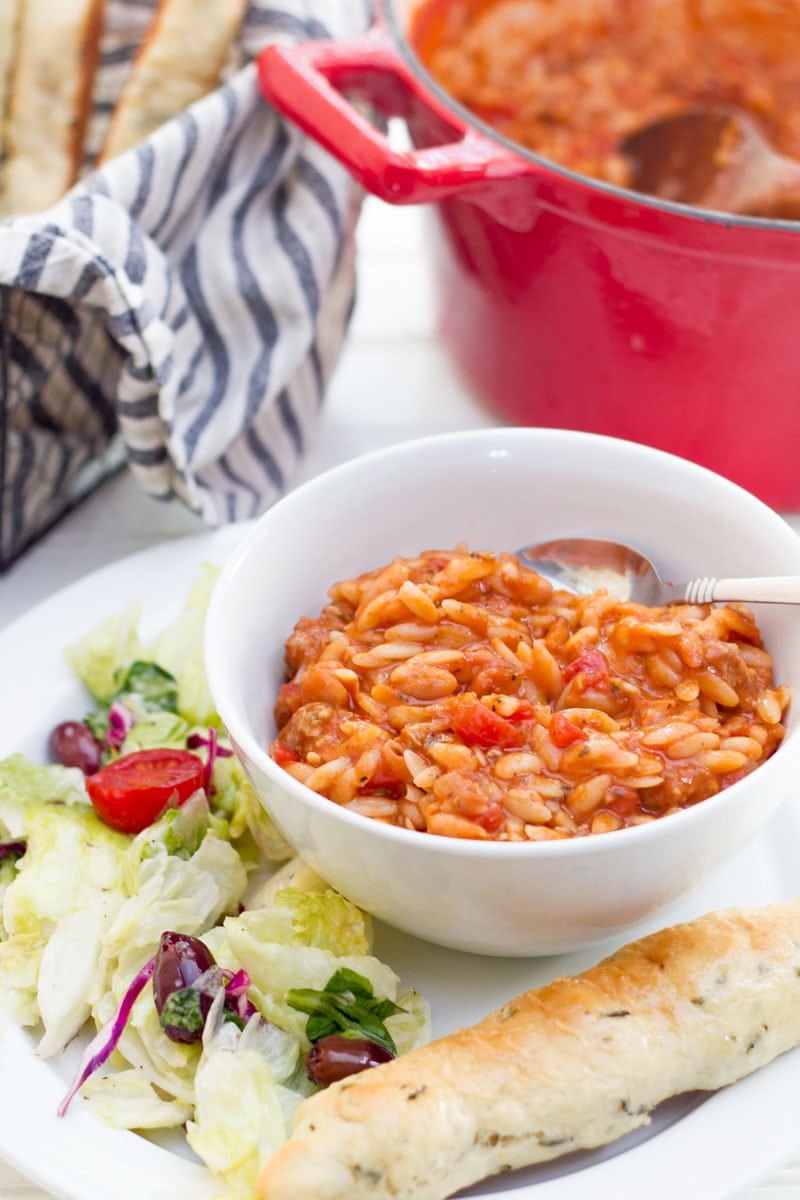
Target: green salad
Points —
{"points": [[150, 907]]}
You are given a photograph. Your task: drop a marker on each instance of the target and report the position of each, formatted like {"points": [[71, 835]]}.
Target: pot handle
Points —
{"points": [[305, 82]]}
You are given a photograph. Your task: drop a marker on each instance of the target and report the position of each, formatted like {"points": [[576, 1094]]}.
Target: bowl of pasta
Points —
{"points": [[475, 755]]}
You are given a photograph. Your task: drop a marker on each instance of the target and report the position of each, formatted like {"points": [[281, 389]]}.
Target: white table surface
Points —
{"points": [[393, 382]]}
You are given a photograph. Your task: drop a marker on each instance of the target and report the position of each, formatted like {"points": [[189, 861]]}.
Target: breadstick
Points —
{"points": [[569, 1066], [9, 18], [180, 60], [55, 58]]}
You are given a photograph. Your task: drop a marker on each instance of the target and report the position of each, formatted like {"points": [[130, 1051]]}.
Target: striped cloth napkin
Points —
{"points": [[182, 308]]}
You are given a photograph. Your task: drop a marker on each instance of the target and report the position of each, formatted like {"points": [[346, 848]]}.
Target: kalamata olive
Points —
{"points": [[180, 961], [335, 1057], [74, 745], [12, 850]]}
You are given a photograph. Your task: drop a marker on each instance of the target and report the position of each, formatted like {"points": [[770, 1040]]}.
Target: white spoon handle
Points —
{"points": [[776, 589]]}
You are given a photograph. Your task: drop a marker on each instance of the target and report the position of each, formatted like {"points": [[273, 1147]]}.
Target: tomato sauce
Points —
{"points": [[457, 693], [569, 79]]}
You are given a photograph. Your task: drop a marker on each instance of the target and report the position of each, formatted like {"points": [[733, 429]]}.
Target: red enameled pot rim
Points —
{"points": [[468, 119]]}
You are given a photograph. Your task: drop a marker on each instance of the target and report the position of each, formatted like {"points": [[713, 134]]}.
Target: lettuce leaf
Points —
{"points": [[321, 919], [411, 1027], [169, 676], [239, 1113], [20, 956], [67, 971], [24, 785], [71, 859], [166, 891], [73, 865], [177, 831], [99, 658], [296, 874], [236, 798], [156, 730], [170, 892], [126, 1100], [179, 650], [299, 943]]}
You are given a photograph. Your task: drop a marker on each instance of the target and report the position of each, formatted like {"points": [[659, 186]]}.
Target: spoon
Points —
{"points": [[582, 565], [713, 158]]}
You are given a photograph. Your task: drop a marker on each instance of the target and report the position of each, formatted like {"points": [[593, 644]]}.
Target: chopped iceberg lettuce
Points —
{"points": [[177, 831], [72, 865], [323, 919], [299, 943], [20, 956], [101, 656], [126, 1100], [295, 874], [156, 729], [24, 784], [412, 1025], [235, 796], [179, 650], [170, 892], [67, 971], [238, 1114], [8, 873], [71, 859]]}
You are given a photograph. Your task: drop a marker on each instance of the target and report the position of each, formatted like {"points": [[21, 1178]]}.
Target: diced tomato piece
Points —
{"points": [[132, 792], [385, 783], [282, 754], [564, 732], [492, 818], [593, 666], [477, 725], [623, 801]]}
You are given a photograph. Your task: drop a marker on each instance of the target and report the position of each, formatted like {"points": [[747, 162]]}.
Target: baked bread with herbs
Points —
{"points": [[569, 1066]]}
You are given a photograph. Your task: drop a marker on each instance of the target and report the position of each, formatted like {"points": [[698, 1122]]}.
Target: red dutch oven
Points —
{"points": [[565, 301]]}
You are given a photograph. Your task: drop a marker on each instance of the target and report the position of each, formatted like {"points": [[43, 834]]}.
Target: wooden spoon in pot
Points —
{"points": [[714, 158]]}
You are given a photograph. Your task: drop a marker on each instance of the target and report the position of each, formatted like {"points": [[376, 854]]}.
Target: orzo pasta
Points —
{"points": [[458, 693], [571, 79]]}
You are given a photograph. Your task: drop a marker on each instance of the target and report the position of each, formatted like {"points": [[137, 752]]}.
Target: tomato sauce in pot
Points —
{"points": [[569, 79]]}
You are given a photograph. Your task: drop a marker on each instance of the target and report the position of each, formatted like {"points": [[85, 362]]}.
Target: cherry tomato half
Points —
{"points": [[132, 792]]}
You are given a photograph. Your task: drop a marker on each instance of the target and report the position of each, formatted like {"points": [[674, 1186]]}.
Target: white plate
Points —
{"points": [[698, 1148]]}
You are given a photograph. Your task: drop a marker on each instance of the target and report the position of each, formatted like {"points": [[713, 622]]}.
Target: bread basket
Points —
{"points": [[181, 307]]}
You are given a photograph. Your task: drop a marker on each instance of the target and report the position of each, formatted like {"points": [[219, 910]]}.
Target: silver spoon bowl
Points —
{"points": [[583, 565]]}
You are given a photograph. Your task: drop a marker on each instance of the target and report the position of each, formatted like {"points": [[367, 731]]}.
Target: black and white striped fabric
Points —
{"points": [[182, 308]]}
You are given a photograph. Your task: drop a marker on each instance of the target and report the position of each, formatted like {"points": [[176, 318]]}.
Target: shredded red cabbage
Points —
{"points": [[214, 751], [120, 721], [238, 983], [236, 990], [235, 986], [106, 1039]]}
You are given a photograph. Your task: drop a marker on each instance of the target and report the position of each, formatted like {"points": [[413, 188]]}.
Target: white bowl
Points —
{"points": [[496, 489]]}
